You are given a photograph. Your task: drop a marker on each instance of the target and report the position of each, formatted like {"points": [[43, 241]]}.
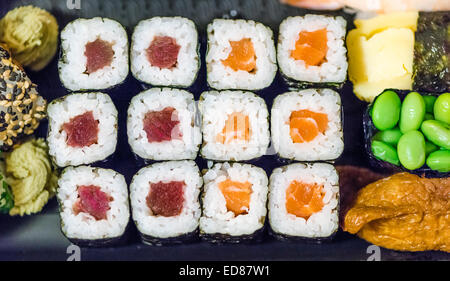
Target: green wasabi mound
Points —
{"points": [[32, 177], [32, 35]]}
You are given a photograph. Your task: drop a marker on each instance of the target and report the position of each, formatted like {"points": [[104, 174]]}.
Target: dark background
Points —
{"points": [[38, 237]]}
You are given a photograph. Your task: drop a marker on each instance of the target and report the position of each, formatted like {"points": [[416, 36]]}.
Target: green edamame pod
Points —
{"points": [[384, 152], [412, 112], [442, 108], [430, 147], [437, 132], [439, 161], [429, 103], [411, 150], [386, 110], [390, 136]]}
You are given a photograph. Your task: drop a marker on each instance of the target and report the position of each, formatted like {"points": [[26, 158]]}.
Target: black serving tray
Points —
{"points": [[38, 237]]}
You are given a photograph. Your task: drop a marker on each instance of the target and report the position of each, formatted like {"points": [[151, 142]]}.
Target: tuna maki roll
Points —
{"points": [[161, 125], [307, 125], [234, 203], [164, 52], [235, 125], [311, 51], [93, 203], [21, 106], [241, 55], [94, 54], [165, 202], [303, 201], [82, 128]]}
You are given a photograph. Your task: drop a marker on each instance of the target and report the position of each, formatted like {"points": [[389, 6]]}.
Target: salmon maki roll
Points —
{"points": [[311, 51], [164, 52], [303, 201], [241, 55], [93, 205], [165, 202], [234, 203], [307, 125], [235, 125], [94, 54], [82, 128]]}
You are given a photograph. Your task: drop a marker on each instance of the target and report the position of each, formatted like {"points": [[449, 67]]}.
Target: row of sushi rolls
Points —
{"points": [[397, 62]]}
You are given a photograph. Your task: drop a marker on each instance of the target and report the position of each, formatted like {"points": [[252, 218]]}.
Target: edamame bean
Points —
{"points": [[412, 112], [411, 150], [439, 161], [428, 116], [442, 108], [437, 132], [430, 147], [429, 103], [390, 136], [384, 152], [386, 110]]}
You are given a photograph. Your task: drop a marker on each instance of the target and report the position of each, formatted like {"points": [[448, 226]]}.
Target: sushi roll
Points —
{"points": [[94, 54], [311, 51], [161, 125], [82, 128], [235, 125], [165, 202], [303, 201], [241, 55], [234, 203], [164, 52], [21, 106], [93, 205], [307, 125]]}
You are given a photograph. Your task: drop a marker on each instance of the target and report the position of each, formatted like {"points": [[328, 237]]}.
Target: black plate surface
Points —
{"points": [[38, 237]]}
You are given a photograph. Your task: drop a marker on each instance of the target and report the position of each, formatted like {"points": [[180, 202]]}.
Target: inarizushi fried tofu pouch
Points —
{"points": [[403, 212]]}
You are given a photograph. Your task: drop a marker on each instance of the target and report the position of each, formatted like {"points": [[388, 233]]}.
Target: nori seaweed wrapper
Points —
{"points": [[383, 166], [432, 52], [105, 242], [181, 239], [306, 240], [301, 85], [220, 238]]}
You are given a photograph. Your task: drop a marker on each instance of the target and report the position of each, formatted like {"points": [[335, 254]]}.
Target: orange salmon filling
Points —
{"points": [[242, 56], [237, 195], [303, 199], [311, 47], [305, 125], [237, 127]]}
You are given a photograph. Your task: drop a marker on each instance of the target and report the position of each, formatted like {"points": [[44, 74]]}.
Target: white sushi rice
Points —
{"points": [[215, 107], [216, 218], [321, 224], [160, 226], [72, 64], [326, 146], [334, 69], [156, 99], [185, 34], [60, 111], [221, 77], [83, 225]]}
